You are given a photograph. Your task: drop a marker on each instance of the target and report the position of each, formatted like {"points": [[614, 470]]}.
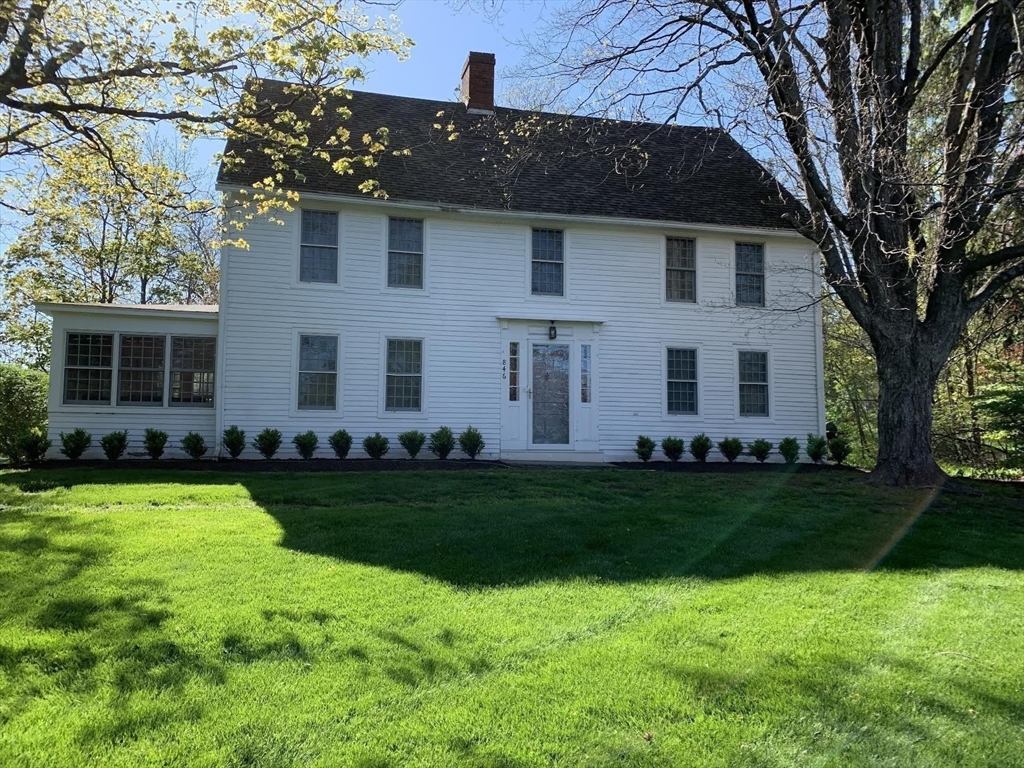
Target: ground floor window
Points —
{"points": [[140, 374], [585, 364], [88, 367], [682, 381], [142, 366], [403, 378], [318, 373], [193, 361], [753, 383]]}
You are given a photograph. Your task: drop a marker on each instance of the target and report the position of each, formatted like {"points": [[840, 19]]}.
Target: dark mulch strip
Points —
{"points": [[274, 465], [724, 467]]}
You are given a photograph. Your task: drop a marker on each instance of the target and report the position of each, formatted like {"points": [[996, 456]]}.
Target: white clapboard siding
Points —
{"points": [[476, 269], [177, 421]]}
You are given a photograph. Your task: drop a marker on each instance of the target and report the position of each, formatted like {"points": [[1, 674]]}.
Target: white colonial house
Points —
{"points": [[598, 281]]}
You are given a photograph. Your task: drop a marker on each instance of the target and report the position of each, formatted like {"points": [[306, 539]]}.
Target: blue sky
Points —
{"points": [[443, 36]]}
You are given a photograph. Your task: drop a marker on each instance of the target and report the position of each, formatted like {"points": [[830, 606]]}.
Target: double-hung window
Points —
{"points": [[140, 374], [88, 368], [753, 383], [547, 254], [318, 247], [193, 360], [680, 269], [750, 274], [403, 377], [405, 253], [318, 373], [682, 381]]}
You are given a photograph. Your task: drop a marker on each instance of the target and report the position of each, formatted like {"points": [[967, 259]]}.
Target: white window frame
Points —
{"points": [[547, 297], [697, 347], [297, 280], [294, 409], [696, 271], [414, 417], [114, 362], [764, 274], [424, 290], [165, 372], [768, 418], [170, 369]]}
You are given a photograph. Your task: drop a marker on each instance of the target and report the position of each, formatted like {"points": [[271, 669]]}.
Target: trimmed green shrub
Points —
{"points": [[839, 449], [194, 445], [789, 447], [73, 444], [233, 441], [154, 441], [442, 442], [673, 448], [22, 406], [341, 443], [700, 447], [760, 449], [268, 442], [376, 445], [471, 442], [412, 441], [115, 444], [731, 448], [33, 446], [306, 443], [644, 448], [817, 445]]}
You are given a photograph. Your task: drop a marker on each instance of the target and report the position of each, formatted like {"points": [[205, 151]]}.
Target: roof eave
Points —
{"points": [[424, 205], [156, 310]]}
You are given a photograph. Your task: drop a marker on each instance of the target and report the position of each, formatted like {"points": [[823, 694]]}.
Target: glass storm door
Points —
{"points": [[550, 395]]}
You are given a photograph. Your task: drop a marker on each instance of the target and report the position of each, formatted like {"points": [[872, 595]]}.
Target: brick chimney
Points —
{"points": [[478, 83]]}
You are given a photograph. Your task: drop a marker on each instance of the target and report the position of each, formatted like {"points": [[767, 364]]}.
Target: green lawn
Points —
{"points": [[507, 618]]}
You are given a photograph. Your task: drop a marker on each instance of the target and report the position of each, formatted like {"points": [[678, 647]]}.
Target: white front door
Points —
{"points": [[550, 394]]}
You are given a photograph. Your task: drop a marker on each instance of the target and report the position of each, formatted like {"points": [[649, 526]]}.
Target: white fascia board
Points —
{"points": [[50, 308]]}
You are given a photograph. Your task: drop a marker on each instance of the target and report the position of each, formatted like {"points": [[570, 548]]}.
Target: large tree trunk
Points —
{"points": [[906, 383]]}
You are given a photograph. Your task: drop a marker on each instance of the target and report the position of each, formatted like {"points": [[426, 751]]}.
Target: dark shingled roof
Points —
{"points": [[551, 163]]}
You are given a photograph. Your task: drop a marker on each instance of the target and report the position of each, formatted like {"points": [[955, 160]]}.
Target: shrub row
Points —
{"points": [[440, 443], [816, 448]]}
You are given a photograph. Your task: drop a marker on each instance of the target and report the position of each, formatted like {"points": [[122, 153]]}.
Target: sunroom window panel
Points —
{"points": [[193, 360], [141, 370], [87, 385]]}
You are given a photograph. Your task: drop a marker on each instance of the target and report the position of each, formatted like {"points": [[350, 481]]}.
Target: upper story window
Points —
{"points": [[682, 381], [318, 372], [140, 374], [88, 368], [405, 253], [318, 247], [403, 377], [750, 274], [547, 263], [753, 383], [193, 361], [680, 269]]}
